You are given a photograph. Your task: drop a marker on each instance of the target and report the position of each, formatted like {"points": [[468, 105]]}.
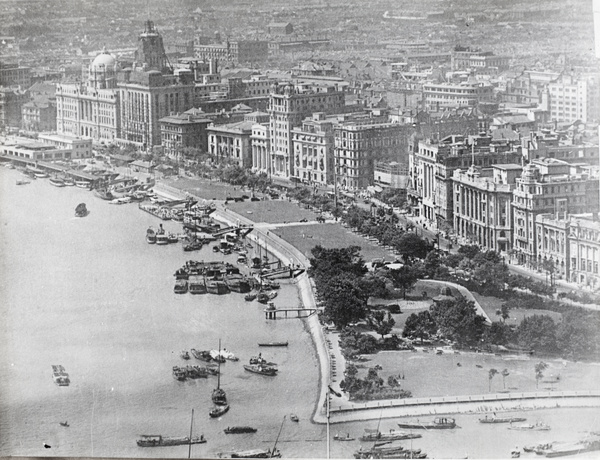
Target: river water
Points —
{"points": [[91, 294]]}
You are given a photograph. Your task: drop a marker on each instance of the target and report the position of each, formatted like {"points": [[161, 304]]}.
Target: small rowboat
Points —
{"points": [[272, 344]]}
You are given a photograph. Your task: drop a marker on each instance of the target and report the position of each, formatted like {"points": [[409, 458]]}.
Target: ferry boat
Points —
{"points": [[439, 423], [273, 344], [239, 429], [162, 238]]}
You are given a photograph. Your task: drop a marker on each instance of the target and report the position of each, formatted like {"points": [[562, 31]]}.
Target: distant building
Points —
{"points": [[28, 150], [249, 51], [260, 144], [280, 28], [575, 98], [14, 75], [466, 58], [561, 146], [391, 175], [11, 103], [453, 95]]}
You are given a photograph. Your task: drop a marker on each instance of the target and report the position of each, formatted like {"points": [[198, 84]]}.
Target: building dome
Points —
{"points": [[104, 61]]}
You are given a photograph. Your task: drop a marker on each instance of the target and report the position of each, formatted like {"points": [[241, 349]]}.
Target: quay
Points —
{"points": [[339, 409]]}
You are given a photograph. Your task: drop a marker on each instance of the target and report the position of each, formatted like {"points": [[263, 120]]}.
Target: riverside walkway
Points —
{"points": [[331, 360]]}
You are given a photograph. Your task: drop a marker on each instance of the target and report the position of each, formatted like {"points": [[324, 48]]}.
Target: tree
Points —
{"points": [[419, 325], [344, 301], [381, 323], [505, 374], [326, 263], [458, 320], [539, 372], [538, 333], [404, 278], [469, 251], [412, 246], [432, 263], [498, 334], [491, 374]]}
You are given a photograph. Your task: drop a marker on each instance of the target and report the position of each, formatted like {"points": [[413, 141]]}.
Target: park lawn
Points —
{"points": [[208, 189], [272, 211], [306, 237], [491, 304], [428, 374]]}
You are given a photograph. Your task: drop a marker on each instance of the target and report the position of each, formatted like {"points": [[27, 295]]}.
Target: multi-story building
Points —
{"points": [[80, 148], [313, 150], [249, 51], [280, 28], [528, 88], [562, 146], [391, 174], [14, 75], [432, 166], [147, 96], [575, 98], [288, 105], [91, 110], [568, 247], [584, 250], [183, 130], [219, 51], [230, 142], [482, 205], [39, 115], [547, 186], [359, 144], [260, 145], [151, 50], [27, 150], [11, 103], [465, 94], [465, 58]]}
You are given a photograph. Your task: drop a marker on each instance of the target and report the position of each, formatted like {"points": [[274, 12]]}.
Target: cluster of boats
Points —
{"points": [[212, 277], [193, 372], [563, 449], [149, 440], [60, 376], [160, 236]]}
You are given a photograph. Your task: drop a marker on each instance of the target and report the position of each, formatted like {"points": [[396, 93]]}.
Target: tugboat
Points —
{"points": [[260, 369]]}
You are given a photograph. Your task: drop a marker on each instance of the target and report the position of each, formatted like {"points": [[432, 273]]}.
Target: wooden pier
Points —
{"points": [[286, 313]]}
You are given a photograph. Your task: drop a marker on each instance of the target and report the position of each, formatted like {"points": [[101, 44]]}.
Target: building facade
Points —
{"points": [[230, 143], [453, 95], [288, 105], [183, 130], [483, 205], [313, 150]]}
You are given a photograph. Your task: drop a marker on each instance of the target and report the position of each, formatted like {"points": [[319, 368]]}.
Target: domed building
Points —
{"points": [[102, 72], [91, 109]]}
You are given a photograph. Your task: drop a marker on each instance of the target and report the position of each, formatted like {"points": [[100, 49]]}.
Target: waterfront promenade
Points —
{"points": [[332, 362]]}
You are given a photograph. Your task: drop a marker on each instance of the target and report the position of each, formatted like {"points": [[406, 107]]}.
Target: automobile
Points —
{"points": [[304, 220]]}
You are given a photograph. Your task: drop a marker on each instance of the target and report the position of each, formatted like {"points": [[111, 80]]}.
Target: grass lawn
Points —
{"points": [[272, 211], [209, 190], [491, 304], [306, 237]]}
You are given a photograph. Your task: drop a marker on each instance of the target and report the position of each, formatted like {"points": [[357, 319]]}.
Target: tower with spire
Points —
{"points": [[151, 53]]}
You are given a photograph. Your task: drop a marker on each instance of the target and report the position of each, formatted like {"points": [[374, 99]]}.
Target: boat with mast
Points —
{"points": [[157, 440], [219, 396]]}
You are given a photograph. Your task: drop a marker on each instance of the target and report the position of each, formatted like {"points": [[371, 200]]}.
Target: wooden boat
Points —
{"points": [[217, 411], [439, 423], [239, 429], [260, 369], [196, 285], [573, 449], [179, 373], [65, 423], [148, 440], [23, 182], [249, 297], [184, 354], [294, 418], [273, 344], [181, 287], [260, 360], [81, 210], [82, 184], [162, 238], [501, 419], [264, 297], [219, 397], [339, 437], [57, 182], [254, 453], [60, 376], [69, 182], [104, 194], [216, 287], [201, 355], [151, 236], [172, 237], [393, 435], [539, 426]]}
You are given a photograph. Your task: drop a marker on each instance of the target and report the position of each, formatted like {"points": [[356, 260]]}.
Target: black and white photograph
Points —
{"points": [[321, 229]]}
